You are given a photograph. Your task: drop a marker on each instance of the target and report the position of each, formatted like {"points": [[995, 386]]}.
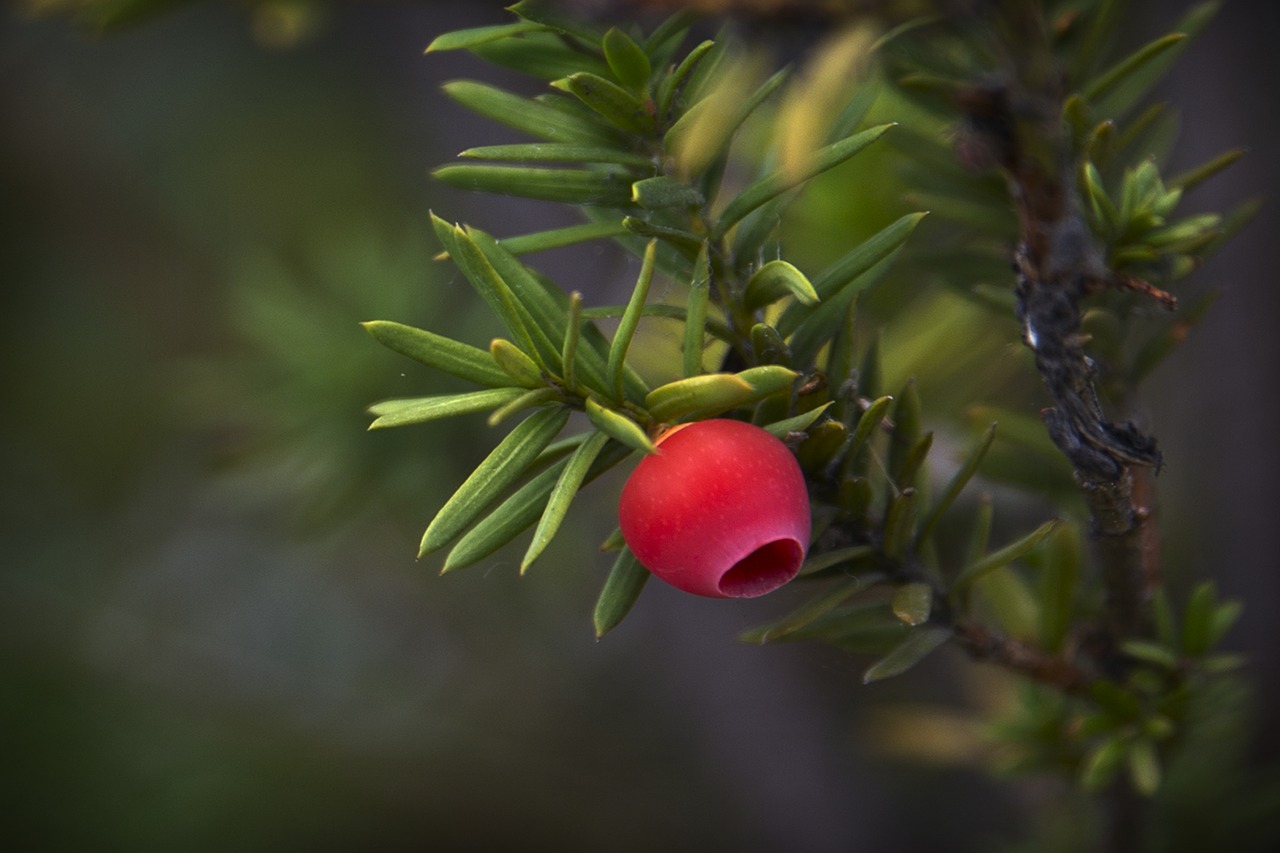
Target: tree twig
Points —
{"points": [[984, 644], [1058, 265]]}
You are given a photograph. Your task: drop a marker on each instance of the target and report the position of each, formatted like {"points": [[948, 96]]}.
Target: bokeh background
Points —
{"points": [[213, 634]]}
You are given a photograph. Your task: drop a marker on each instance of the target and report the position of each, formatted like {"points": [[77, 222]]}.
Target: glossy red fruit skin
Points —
{"points": [[721, 510]]}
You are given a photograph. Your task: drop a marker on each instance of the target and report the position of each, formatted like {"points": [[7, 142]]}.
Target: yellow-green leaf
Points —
{"points": [[913, 602], [619, 427], [516, 364], [775, 280], [713, 393]]}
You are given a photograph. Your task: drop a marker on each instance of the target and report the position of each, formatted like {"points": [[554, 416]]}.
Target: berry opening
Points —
{"points": [[764, 569]]}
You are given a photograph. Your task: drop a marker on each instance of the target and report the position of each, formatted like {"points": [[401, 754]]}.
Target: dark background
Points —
{"points": [[212, 630]]}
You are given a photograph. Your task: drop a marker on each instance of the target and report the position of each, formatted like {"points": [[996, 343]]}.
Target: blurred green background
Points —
{"points": [[213, 634]]}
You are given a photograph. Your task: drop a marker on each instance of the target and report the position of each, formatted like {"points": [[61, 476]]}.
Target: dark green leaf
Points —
{"points": [[666, 37], [758, 226], [629, 63], [898, 521], [696, 314], [920, 643], [548, 309], [663, 192], [906, 429], [1223, 617], [1147, 65], [956, 484], [615, 542], [799, 423], [1132, 64], [1234, 221], [558, 238], [613, 103], [805, 615], [473, 36], [524, 114], [417, 410], [823, 446], [859, 628], [1219, 664], [856, 109], [528, 400], [524, 507], [868, 422], [572, 334], [1197, 621], [768, 346], [557, 152], [673, 84], [1198, 174], [840, 557], [506, 464], [687, 242], [545, 55], [630, 320], [1057, 582], [562, 495], [1015, 550], [914, 461], [853, 264], [1105, 216], [1103, 24], [444, 354], [1165, 623], [625, 583], [571, 186], [1102, 764], [1146, 651], [822, 322], [774, 185], [551, 15], [1120, 704]]}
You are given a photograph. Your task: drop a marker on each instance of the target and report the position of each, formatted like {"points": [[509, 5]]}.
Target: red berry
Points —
{"points": [[720, 510]]}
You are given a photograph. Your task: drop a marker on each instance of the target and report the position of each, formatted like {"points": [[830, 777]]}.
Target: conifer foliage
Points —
{"points": [[1037, 151]]}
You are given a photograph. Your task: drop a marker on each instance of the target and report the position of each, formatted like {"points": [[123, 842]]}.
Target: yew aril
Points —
{"points": [[721, 510]]}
